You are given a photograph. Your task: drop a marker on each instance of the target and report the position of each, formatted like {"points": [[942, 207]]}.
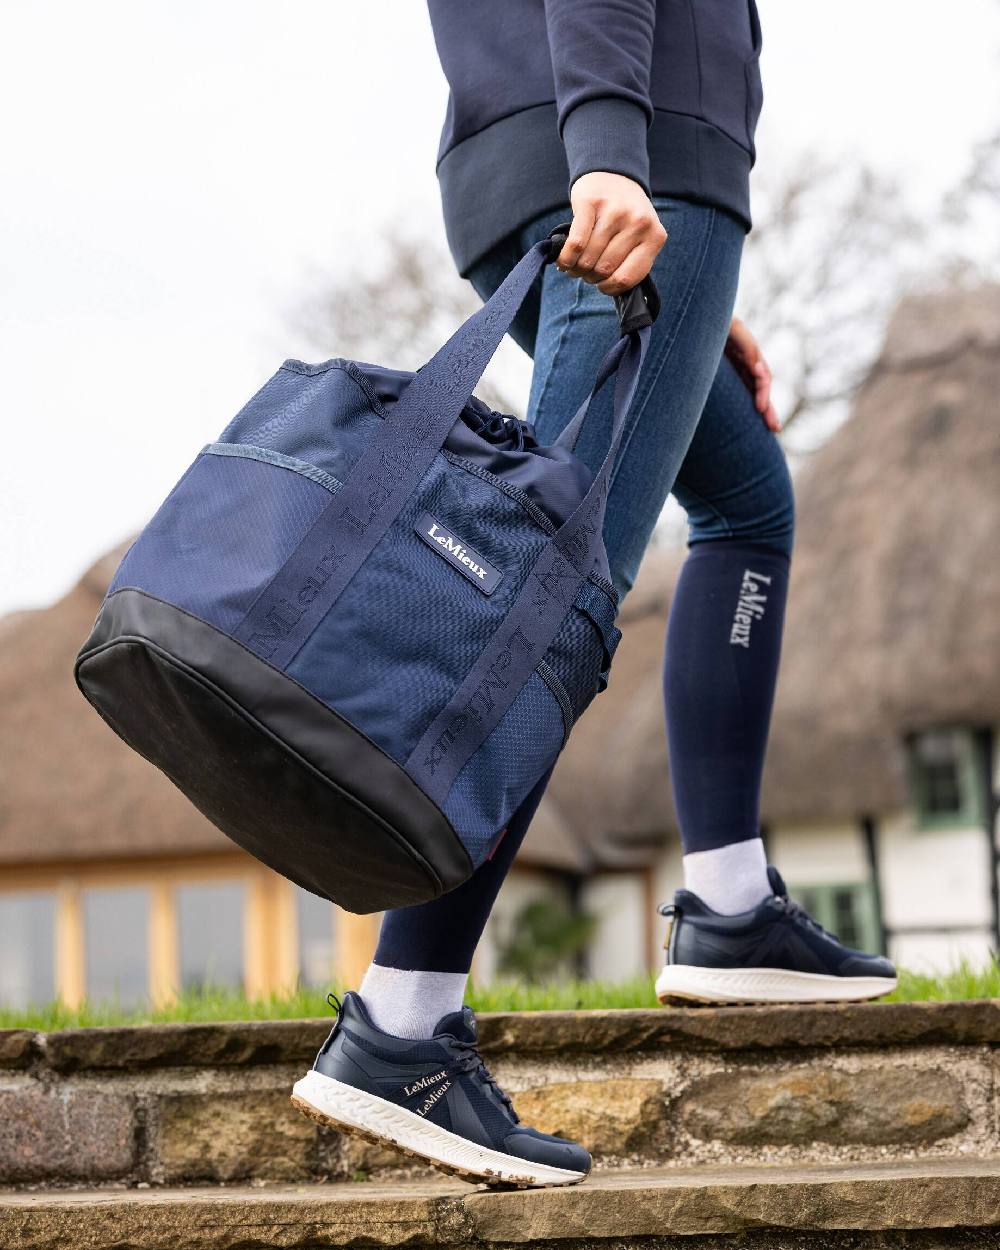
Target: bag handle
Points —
{"points": [[636, 308], [383, 477], [386, 473], [433, 401]]}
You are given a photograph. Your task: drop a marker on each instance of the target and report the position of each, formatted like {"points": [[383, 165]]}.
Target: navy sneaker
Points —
{"points": [[433, 1099], [773, 953]]}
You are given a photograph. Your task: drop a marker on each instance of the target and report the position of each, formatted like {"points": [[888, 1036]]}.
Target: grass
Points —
{"points": [[963, 982]]}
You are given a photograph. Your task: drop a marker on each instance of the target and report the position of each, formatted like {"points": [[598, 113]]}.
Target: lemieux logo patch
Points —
{"points": [[459, 554]]}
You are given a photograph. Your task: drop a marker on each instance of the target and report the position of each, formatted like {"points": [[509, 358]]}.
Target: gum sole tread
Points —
{"points": [[450, 1169]]}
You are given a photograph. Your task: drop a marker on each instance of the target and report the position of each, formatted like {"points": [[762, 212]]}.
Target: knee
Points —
{"points": [[773, 522], [762, 512]]}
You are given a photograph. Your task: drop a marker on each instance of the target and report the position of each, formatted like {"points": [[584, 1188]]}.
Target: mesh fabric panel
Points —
{"points": [[496, 1124], [409, 625], [318, 414], [499, 776], [577, 657]]}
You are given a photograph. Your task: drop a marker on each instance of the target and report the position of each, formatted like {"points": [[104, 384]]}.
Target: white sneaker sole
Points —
{"points": [[764, 985], [366, 1115]]}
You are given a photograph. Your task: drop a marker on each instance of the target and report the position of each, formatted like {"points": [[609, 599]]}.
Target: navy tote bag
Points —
{"points": [[360, 627]]}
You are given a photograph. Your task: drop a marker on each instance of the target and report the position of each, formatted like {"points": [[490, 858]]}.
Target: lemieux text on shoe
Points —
{"points": [[434, 1095]]}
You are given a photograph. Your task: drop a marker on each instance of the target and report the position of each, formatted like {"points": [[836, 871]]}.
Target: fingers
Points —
{"points": [[603, 238], [761, 384], [619, 253], [632, 270], [615, 236], [584, 217], [744, 352], [613, 239], [762, 394]]}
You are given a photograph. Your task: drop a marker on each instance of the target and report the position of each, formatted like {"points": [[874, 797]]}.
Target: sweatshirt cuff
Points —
{"points": [[607, 134]]}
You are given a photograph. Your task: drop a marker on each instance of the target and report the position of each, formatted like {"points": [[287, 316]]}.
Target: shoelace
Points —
{"points": [[470, 1060], [795, 911]]}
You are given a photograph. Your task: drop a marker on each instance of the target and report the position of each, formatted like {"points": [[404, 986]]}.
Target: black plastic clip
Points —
{"points": [[637, 308]]}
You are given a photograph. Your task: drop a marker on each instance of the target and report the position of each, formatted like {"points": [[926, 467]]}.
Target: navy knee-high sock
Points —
{"points": [[720, 670], [442, 935]]}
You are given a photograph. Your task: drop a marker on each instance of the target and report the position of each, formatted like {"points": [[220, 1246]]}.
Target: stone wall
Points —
{"points": [[175, 1104]]}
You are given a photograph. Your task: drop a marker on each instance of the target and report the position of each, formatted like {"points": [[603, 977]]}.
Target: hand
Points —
{"points": [[615, 236], [743, 351]]}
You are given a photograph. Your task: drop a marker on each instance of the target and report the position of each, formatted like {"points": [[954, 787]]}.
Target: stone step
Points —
{"points": [[186, 1104], [925, 1203]]}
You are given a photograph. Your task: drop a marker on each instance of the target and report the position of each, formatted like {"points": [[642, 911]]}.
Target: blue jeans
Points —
{"points": [[693, 430]]}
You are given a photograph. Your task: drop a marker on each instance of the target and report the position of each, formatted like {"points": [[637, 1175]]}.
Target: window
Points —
{"points": [[210, 929], [27, 948], [115, 943], [945, 778], [315, 918], [846, 910]]}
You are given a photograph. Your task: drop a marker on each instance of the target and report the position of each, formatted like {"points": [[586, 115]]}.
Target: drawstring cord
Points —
{"points": [[497, 428]]}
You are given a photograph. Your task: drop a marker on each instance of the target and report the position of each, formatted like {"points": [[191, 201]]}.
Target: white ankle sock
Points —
{"points": [[729, 879], [409, 1004]]}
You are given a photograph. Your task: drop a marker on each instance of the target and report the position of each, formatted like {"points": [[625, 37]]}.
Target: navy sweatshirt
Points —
{"points": [[666, 92]]}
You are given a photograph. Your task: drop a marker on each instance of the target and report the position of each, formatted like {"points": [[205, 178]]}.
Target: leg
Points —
{"points": [[735, 934], [697, 273], [433, 1096], [424, 953], [724, 643]]}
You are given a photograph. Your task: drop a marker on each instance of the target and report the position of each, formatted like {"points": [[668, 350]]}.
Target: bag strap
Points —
{"points": [[540, 607], [383, 477]]}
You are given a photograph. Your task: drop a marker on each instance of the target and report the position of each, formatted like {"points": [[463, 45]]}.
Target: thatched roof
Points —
{"points": [[894, 613], [551, 843], [69, 789]]}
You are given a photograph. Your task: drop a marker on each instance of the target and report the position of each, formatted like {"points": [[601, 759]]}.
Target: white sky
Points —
{"points": [[176, 172]]}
